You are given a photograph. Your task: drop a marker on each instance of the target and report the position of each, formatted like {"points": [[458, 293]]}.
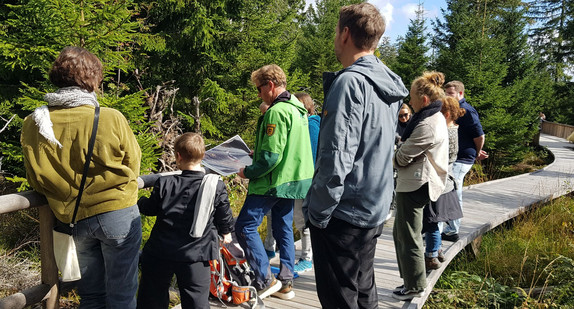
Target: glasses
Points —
{"points": [[261, 86], [403, 115]]}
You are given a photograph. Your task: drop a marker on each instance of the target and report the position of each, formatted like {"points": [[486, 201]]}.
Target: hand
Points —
{"points": [[240, 173], [481, 155], [227, 238]]}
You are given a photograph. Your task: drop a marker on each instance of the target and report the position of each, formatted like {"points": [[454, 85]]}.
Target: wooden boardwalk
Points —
{"points": [[486, 206]]}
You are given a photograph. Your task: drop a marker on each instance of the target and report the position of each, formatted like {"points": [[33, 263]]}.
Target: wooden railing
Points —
{"points": [[557, 129], [50, 288]]}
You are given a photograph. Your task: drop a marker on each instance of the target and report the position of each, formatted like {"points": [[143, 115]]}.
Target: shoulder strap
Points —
{"points": [[87, 164], [204, 204]]}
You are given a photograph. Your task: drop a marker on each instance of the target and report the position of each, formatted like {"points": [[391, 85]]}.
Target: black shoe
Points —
{"points": [[452, 237]]}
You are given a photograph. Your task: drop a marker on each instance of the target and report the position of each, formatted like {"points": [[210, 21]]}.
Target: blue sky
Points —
{"points": [[398, 13]]}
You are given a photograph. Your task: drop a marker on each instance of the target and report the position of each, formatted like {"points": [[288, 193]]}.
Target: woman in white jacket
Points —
{"points": [[422, 165]]}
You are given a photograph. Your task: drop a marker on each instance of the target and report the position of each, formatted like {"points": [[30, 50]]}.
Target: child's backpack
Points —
{"points": [[231, 277]]}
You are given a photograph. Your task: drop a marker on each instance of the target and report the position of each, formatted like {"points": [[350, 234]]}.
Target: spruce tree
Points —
{"points": [[412, 60]]}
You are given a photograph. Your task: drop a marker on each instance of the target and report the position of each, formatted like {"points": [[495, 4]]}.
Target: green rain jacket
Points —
{"points": [[282, 159]]}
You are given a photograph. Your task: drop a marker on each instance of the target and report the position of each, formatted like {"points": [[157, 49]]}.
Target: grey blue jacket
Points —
{"points": [[353, 178]]}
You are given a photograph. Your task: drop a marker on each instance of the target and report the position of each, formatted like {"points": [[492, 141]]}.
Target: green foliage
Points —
{"points": [[412, 60], [536, 253], [484, 46], [315, 47]]}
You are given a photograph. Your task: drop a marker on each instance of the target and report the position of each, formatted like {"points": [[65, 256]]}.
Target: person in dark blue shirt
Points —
{"points": [[470, 143]]}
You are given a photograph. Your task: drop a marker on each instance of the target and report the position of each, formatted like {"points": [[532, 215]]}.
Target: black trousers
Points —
{"points": [[193, 281], [343, 257]]}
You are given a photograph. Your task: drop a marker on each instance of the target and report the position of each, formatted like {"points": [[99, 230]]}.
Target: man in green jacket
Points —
{"points": [[281, 172]]}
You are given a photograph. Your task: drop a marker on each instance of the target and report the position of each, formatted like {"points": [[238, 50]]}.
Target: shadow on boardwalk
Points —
{"points": [[486, 206]]}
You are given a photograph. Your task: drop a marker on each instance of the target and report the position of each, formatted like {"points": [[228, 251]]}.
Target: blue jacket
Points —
{"points": [[469, 129], [353, 178], [314, 126]]}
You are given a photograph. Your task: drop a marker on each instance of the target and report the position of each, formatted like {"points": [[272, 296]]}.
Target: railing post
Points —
{"points": [[49, 268]]}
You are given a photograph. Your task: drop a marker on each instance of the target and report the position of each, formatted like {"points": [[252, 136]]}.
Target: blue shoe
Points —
{"points": [[303, 266], [270, 254]]}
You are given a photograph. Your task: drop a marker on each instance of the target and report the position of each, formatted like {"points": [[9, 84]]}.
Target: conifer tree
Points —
{"points": [[412, 60], [470, 46]]}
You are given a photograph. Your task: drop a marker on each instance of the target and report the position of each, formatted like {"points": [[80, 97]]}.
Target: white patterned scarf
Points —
{"points": [[63, 97]]}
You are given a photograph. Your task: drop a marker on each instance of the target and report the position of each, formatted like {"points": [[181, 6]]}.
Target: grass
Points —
{"points": [[526, 264]]}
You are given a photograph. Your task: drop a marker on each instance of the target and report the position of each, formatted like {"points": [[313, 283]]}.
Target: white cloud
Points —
{"points": [[408, 11], [386, 8]]}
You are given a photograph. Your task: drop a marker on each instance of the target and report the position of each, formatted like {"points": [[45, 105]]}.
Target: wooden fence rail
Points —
{"points": [[50, 288], [557, 129]]}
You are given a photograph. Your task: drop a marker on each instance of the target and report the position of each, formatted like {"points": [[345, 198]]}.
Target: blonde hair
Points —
{"points": [[429, 85], [450, 105], [407, 107], [305, 98], [270, 72], [190, 147]]}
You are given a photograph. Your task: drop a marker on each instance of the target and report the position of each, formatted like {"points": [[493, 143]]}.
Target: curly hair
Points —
{"points": [[76, 66], [450, 105]]}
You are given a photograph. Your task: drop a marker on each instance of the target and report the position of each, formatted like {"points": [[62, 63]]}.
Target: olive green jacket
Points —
{"points": [[56, 172]]}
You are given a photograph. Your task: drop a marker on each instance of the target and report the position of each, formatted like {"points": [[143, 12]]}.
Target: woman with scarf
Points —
{"points": [[422, 165], [54, 141]]}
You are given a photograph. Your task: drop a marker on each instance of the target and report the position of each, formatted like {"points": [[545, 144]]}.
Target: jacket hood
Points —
{"points": [[388, 85], [295, 102]]}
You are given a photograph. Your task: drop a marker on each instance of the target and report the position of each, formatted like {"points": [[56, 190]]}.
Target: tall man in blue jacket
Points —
{"points": [[470, 142], [353, 183]]}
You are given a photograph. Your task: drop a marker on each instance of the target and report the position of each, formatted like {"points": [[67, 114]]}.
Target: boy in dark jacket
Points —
{"points": [[179, 244]]}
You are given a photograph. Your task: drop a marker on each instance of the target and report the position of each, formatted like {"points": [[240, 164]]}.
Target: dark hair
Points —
{"points": [[450, 104], [76, 66], [430, 85], [190, 147], [305, 98], [365, 24]]}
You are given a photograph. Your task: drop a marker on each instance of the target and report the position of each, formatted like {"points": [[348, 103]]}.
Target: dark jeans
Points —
{"points": [[193, 281], [343, 257]]}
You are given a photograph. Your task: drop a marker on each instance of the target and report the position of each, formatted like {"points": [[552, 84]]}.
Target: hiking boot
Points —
{"points": [[270, 254], [452, 237], [286, 292], [302, 266], [405, 294], [270, 289], [441, 257], [432, 263]]}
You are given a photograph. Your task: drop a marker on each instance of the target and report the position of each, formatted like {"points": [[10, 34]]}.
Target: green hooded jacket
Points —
{"points": [[282, 159]]}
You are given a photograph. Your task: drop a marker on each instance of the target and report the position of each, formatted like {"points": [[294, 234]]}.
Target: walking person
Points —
{"points": [[281, 172], [353, 183], [470, 142], [422, 165], [54, 143]]}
